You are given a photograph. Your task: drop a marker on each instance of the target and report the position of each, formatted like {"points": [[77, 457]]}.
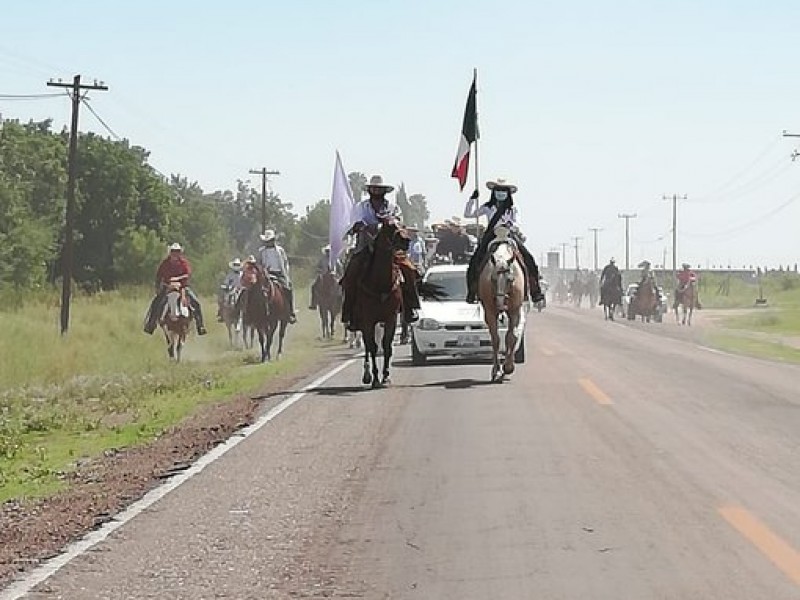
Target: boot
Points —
{"points": [[290, 300], [536, 292], [151, 322], [198, 318], [472, 293]]}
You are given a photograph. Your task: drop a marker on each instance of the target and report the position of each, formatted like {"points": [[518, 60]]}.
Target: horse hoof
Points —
{"points": [[376, 384], [508, 369], [386, 381], [366, 379]]}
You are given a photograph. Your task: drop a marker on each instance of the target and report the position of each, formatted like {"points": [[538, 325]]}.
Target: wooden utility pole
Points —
{"points": [[674, 199], [576, 240], [595, 231], [627, 218], [69, 238], [263, 172]]}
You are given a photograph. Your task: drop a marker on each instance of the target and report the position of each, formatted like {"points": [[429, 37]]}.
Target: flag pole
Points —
{"points": [[477, 136]]}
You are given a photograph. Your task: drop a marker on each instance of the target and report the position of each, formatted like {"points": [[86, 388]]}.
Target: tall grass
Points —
{"points": [[108, 384]]}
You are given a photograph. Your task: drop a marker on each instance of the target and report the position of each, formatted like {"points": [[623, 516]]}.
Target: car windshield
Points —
{"points": [[453, 285]]}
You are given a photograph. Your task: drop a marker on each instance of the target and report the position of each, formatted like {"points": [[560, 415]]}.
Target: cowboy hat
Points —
{"points": [[376, 181], [268, 235], [612, 260], [643, 264], [686, 266], [326, 248], [175, 247], [250, 259], [502, 183], [235, 264]]}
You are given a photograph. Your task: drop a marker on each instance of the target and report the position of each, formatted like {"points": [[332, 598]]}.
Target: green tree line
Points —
{"points": [[127, 213]]}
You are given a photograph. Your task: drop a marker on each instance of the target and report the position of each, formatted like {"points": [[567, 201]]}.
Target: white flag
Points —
{"points": [[341, 208]]}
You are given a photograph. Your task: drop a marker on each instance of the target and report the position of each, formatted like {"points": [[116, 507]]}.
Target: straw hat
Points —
{"points": [[376, 181], [175, 247], [502, 183], [268, 235], [235, 264]]}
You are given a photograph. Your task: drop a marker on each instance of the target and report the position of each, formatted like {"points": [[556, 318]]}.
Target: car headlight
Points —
{"points": [[428, 324]]}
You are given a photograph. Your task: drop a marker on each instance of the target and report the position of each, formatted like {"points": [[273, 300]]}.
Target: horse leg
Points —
{"points": [[494, 334], [262, 343], [511, 343], [281, 333], [323, 320], [388, 338]]}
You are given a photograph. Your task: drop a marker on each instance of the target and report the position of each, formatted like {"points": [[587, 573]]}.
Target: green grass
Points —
{"points": [[780, 290], [749, 346], [108, 385]]}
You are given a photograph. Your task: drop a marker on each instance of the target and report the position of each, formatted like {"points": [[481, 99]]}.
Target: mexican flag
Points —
{"points": [[469, 134]]}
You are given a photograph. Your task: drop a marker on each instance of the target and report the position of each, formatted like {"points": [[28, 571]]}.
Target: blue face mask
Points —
{"points": [[501, 195]]}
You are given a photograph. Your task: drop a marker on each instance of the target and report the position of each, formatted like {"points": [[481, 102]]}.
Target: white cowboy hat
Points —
{"points": [[250, 259], [377, 181], [175, 247], [326, 248], [502, 183], [268, 235], [235, 264]]}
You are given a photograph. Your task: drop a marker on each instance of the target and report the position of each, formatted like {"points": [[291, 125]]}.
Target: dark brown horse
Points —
{"points": [[255, 308], [329, 303], [611, 295], [380, 300], [645, 302]]}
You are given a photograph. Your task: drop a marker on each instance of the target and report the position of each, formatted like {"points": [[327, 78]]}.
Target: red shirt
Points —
{"points": [[685, 277], [169, 269]]}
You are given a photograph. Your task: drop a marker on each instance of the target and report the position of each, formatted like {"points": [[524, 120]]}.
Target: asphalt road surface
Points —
{"points": [[617, 463]]}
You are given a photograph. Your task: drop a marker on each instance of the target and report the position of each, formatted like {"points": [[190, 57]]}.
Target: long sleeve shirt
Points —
{"points": [[273, 259], [170, 269], [473, 210]]}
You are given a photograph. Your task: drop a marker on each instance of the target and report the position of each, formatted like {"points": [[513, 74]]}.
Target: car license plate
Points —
{"points": [[469, 341]]}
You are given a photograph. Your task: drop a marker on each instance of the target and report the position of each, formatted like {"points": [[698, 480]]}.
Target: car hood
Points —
{"points": [[452, 312]]}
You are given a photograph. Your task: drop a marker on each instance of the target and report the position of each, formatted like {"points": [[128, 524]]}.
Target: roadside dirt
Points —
{"points": [[33, 531]]}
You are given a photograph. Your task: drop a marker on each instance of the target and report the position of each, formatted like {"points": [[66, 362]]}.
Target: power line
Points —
{"points": [[100, 119], [748, 224], [30, 96]]}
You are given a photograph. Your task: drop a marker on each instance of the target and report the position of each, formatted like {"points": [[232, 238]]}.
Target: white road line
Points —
{"points": [[43, 572]]}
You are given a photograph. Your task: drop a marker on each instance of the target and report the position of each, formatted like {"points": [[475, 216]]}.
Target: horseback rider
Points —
{"points": [[365, 218], [273, 259], [174, 268], [229, 284], [500, 210], [324, 267], [647, 274], [685, 277], [610, 273]]}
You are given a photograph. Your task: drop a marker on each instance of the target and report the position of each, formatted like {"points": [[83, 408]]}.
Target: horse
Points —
{"points": [[231, 316], [278, 314], [611, 295], [175, 319], [501, 290], [380, 300], [255, 309], [645, 302], [329, 303], [686, 297]]}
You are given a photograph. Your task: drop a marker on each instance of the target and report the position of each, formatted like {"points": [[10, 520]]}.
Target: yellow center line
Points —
{"points": [[786, 558], [595, 392]]}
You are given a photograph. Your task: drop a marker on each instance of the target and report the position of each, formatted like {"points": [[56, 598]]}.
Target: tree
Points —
{"points": [[313, 229], [358, 181], [418, 212]]}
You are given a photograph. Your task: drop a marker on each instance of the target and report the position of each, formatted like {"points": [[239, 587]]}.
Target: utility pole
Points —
{"points": [[69, 238], [595, 231], [576, 240], [263, 172], [674, 199], [564, 255], [627, 218]]}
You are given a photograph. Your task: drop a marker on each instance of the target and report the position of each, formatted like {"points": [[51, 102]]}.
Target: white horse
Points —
{"points": [[175, 320], [501, 289]]}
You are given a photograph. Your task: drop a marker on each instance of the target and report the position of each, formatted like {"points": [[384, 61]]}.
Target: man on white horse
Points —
{"points": [[228, 285], [273, 259], [176, 268], [500, 210]]}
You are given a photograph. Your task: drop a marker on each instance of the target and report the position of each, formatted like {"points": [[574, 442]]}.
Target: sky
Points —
{"points": [[591, 108]]}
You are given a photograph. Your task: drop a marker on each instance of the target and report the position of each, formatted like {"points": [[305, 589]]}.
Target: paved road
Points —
{"points": [[616, 464]]}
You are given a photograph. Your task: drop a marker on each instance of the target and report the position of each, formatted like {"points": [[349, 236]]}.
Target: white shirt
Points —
{"points": [[509, 219], [364, 212], [232, 279], [273, 259]]}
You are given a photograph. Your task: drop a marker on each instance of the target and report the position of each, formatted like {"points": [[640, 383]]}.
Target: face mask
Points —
{"points": [[501, 195]]}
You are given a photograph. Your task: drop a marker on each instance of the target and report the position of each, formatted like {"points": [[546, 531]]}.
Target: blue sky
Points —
{"points": [[592, 108]]}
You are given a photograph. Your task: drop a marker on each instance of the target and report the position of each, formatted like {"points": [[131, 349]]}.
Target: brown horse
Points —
{"points": [[278, 315], [501, 290], [686, 298], [611, 295], [380, 300], [175, 320], [329, 303], [254, 308], [231, 316], [645, 302]]}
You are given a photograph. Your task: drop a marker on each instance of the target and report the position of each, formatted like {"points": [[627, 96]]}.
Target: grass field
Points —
{"points": [[108, 385]]}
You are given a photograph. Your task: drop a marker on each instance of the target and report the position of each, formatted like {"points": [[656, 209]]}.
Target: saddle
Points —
{"points": [[184, 306]]}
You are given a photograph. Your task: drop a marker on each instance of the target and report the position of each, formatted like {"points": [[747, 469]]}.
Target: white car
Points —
{"points": [[450, 326]]}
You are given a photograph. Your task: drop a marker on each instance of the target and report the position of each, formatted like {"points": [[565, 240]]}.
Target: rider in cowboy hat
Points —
{"points": [[324, 266], [273, 259], [365, 219], [610, 272], [230, 283], [175, 267], [500, 210], [685, 277]]}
